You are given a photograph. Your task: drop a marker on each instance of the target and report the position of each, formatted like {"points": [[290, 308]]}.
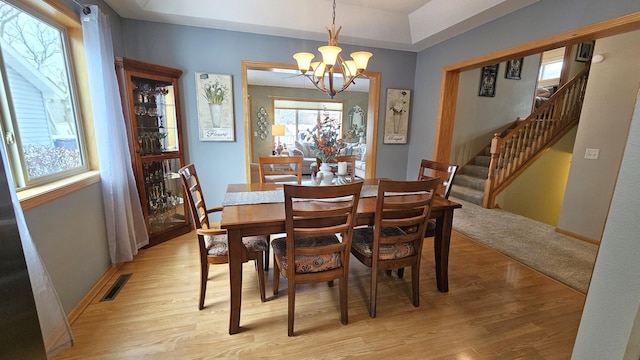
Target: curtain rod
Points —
{"points": [[85, 9]]}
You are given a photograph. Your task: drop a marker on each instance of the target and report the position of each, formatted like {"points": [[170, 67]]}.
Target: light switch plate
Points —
{"points": [[592, 154]]}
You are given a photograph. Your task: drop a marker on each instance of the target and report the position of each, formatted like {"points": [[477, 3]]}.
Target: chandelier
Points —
{"points": [[321, 73]]}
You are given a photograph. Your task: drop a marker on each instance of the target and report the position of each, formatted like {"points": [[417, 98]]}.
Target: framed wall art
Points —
{"points": [[585, 50], [513, 69], [214, 94], [488, 79], [396, 123]]}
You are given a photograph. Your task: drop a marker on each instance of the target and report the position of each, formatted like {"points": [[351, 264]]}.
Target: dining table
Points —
{"points": [[258, 209]]}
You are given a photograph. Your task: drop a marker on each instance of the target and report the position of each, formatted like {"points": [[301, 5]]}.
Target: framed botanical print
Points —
{"points": [[488, 79], [214, 94], [396, 123]]}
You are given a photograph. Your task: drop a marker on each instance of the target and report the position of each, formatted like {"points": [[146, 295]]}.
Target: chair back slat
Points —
{"points": [[195, 197]]}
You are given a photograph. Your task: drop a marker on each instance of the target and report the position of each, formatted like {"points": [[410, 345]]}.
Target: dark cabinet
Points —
{"points": [[151, 108]]}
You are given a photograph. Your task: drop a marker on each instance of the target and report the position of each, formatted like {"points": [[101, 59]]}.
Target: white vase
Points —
{"points": [[327, 174], [396, 122], [215, 110]]}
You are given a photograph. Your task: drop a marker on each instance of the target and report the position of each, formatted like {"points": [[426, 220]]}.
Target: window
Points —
{"points": [[551, 64], [301, 116], [41, 125], [550, 71]]}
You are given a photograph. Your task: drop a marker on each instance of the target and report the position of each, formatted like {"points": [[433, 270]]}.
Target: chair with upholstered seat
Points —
{"points": [[319, 222], [213, 242], [444, 171], [280, 169], [395, 239]]}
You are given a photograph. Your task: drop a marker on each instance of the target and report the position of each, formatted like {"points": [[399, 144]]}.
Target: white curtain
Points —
{"points": [[55, 329], [126, 230]]}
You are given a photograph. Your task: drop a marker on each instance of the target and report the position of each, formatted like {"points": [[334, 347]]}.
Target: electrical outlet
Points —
{"points": [[592, 154]]}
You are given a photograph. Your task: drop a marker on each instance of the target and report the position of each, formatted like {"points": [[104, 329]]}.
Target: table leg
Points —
{"points": [[441, 249], [235, 278]]}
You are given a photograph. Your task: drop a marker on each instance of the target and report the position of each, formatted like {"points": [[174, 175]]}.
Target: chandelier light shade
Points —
{"points": [[323, 74]]}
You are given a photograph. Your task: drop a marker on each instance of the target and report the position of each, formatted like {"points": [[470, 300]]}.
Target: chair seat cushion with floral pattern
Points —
{"points": [[217, 245], [308, 264], [362, 243]]}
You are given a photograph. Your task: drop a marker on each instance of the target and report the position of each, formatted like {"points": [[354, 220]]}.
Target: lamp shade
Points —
{"points": [[277, 130], [329, 54], [361, 58], [304, 60]]}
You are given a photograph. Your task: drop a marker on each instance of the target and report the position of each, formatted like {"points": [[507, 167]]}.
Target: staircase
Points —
{"points": [[511, 152], [469, 184]]}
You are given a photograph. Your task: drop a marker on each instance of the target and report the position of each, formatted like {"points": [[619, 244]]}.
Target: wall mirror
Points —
{"points": [[271, 87]]}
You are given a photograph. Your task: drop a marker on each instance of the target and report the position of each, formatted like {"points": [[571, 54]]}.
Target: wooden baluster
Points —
{"points": [[487, 200]]}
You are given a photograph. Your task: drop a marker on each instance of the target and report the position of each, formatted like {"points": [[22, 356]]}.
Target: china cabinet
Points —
{"points": [[150, 103]]}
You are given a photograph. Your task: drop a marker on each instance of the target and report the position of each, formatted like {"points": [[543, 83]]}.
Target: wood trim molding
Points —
{"points": [[578, 236], [372, 113], [92, 293], [450, 77], [39, 195]]}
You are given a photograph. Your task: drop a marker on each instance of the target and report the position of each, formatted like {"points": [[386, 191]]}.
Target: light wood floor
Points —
{"points": [[495, 309]]}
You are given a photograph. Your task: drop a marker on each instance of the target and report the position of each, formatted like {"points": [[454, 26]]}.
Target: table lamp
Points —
{"points": [[277, 131]]}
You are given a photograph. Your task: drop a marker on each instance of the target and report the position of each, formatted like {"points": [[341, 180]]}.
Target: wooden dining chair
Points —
{"points": [[430, 169], [280, 169], [212, 242], [395, 239], [312, 252]]}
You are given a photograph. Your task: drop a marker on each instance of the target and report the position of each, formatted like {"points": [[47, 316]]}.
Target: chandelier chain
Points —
{"points": [[334, 13]]}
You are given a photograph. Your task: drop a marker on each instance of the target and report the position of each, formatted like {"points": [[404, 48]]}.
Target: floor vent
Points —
{"points": [[116, 287]]}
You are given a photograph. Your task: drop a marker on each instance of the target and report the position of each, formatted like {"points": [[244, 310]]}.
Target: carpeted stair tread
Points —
{"points": [[480, 172], [467, 194], [483, 160], [469, 181]]}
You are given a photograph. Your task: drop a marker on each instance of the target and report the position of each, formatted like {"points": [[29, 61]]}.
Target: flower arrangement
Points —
{"points": [[325, 140], [214, 93], [398, 104]]}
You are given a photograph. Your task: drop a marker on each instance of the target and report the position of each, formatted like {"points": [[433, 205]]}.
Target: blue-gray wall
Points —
{"points": [[195, 49]]}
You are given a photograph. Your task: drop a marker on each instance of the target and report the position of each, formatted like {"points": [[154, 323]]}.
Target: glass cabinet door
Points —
{"points": [[154, 107], [165, 198]]}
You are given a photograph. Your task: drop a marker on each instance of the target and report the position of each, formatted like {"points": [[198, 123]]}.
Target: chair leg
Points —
{"points": [[374, 293], [266, 258], [400, 273], [344, 310], [292, 305], [204, 276], [276, 276], [415, 279], [260, 271]]}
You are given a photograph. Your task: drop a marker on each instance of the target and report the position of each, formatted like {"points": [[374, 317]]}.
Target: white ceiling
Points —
{"points": [[411, 25]]}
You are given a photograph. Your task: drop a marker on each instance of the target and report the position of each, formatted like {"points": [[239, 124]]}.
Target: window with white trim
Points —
{"points": [[300, 116], [40, 119]]}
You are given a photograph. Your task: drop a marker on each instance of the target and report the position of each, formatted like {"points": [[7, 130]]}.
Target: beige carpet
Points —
{"points": [[532, 243]]}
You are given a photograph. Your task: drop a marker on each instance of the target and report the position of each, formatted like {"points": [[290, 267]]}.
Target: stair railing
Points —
{"points": [[514, 152]]}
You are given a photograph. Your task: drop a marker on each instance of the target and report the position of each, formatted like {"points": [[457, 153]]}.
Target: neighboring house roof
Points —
{"points": [[13, 59]]}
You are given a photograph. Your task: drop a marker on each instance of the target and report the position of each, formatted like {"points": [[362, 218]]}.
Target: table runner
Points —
{"points": [[277, 196]]}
